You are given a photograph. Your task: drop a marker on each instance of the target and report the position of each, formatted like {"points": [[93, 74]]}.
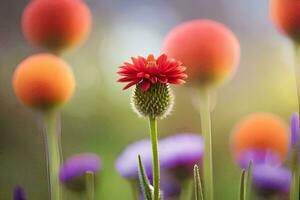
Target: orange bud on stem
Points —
{"points": [[56, 24], [43, 81], [208, 49], [286, 16]]}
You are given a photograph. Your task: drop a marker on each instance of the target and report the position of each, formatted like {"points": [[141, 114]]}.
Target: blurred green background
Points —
{"points": [[99, 117]]}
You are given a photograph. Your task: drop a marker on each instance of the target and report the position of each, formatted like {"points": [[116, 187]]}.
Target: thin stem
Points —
{"points": [[59, 136], [90, 185], [53, 154], [294, 191], [43, 131], [206, 132], [134, 189], [186, 190], [155, 158]]}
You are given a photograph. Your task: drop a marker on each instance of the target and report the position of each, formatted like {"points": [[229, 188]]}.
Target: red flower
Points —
{"points": [[150, 71]]}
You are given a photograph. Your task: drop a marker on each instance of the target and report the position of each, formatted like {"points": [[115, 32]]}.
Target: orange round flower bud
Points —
{"points": [[56, 24], [208, 49], [261, 131], [286, 16], [43, 81]]}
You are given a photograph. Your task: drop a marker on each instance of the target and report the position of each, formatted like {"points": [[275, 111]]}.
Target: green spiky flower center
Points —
{"points": [[156, 102]]}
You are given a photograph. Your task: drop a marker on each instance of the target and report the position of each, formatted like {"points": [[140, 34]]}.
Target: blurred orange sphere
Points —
{"points": [[208, 49], [43, 81], [286, 16], [56, 24], [261, 131]]}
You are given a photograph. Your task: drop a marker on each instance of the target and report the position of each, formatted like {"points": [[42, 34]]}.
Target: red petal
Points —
{"points": [[136, 62], [131, 84], [145, 86], [176, 81], [162, 59], [126, 79], [163, 79]]}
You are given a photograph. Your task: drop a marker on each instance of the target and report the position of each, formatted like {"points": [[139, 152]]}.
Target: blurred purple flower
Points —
{"points": [[294, 129], [178, 154], [73, 170], [127, 162], [258, 157], [19, 193], [180, 151], [269, 180]]}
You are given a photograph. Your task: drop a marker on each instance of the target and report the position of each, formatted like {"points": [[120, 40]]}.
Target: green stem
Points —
{"points": [[206, 132], [53, 154], [155, 158], [90, 185], [186, 190], [134, 189], [294, 191], [59, 136]]}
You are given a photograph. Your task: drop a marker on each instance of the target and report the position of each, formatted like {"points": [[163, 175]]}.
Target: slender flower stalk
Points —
{"points": [[186, 193], [155, 157], [295, 165], [90, 185], [135, 189], [294, 190], [206, 131], [53, 154]]}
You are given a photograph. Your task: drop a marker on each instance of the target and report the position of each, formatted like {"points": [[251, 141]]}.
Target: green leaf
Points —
{"points": [[248, 182], [242, 185], [197, 184], [145, 184]]}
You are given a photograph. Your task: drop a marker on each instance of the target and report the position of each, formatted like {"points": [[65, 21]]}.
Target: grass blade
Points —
{"points": [[248, 182], [242, 185], [144, 181], [197, 184]]}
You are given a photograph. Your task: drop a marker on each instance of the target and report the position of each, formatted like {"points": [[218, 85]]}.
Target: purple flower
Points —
{"points": [[127, 166], [258, 157], [294, 129], [178, 151], [127, 163], [268, 179], [178, 154], [73, 170], [19, 193]]}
